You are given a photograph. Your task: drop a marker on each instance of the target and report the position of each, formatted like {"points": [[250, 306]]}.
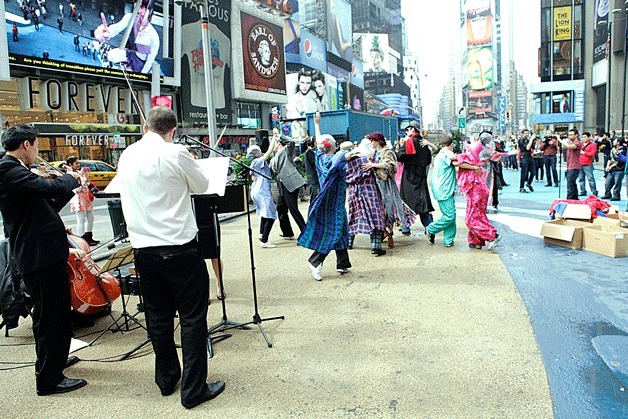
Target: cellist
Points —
{"points": [[29, 204]]}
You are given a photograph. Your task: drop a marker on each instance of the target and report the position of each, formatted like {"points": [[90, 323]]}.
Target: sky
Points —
{"points": [[432, 28]]}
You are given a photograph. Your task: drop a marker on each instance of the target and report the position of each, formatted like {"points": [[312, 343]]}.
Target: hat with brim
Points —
{"points": [[346, 145], [377, 136]]}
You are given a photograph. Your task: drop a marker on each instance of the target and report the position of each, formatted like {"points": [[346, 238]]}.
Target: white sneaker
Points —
{"points": [[491, 245], [316, 271], [343, 271], [267, 245]]}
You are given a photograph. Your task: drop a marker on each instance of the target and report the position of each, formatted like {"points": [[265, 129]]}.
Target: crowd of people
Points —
{"points": [[373, 189], [537, 157], [370, 188]]}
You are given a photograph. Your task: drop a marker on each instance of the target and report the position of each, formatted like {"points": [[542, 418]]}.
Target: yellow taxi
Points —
{"points": [[100, 173]]}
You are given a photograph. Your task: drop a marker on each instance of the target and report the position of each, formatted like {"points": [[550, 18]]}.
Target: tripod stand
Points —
{"points": [[257, 319], [118, 259]]}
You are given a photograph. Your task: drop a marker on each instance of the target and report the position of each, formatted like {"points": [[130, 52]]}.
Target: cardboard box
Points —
{"points": [[574, 211], [614, 220], [606, 240], [564, 233]]}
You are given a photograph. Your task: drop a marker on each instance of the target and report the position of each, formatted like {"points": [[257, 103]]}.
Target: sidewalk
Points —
{"points": [[423, 331]]}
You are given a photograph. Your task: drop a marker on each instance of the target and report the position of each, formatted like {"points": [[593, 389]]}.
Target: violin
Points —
{"points": [[91, 292]]}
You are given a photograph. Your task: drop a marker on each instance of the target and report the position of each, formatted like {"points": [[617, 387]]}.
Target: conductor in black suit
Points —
{"points": [[39, 246]]}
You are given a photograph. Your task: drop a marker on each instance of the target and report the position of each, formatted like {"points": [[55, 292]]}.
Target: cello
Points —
{"points": [[91, 292]]}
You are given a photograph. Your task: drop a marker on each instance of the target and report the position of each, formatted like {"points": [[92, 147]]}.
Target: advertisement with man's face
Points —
{"points": [[193, 65], [263, 55], [375, 52], [339, 29], [81, 39]]}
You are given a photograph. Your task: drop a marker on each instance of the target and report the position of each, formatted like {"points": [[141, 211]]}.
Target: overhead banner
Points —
{"points": [[602, 8], [260, 66], [193, 66], [562, 23]]}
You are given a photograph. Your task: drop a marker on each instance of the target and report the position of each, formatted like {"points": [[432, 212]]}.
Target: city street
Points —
{"points": [[421, 331]]}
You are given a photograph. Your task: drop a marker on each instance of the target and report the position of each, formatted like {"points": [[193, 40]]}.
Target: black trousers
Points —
{"points": [[265, 225], [527, 172], [288, 201], [342, 259], [572, 189], [550, 169], [52, 326], [175, 279]]}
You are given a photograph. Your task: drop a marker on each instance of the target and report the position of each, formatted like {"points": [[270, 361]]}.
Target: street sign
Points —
{"points": [[462, 123]]}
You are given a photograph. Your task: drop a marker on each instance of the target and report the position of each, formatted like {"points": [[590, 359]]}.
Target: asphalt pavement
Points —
{"points": [[423, 331]]}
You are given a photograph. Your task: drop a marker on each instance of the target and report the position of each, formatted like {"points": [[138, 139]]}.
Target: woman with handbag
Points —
{"points": [[82, 203]]}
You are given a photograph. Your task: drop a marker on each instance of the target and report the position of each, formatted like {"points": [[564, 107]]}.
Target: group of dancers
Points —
{"points": [[385, 190]]}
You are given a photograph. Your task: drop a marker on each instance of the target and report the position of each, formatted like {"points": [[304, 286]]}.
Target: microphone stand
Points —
{"points": [[257, 319]]}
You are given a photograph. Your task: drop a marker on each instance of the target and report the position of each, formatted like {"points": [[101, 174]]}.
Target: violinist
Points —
{"points": [[29, 204]]}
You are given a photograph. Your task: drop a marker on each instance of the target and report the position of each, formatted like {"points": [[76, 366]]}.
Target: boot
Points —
{"points": [[88, 237]]}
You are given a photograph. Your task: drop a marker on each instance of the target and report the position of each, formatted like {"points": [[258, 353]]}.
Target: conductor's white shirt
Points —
{"points": [[157, 178]]}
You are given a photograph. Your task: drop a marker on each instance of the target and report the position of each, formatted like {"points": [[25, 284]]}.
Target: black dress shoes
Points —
{"points": [[71, 361], [66, 385], [213, 390], [378, 252]]}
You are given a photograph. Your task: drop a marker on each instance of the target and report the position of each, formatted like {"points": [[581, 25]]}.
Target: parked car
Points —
{"points": [[101, 173]]}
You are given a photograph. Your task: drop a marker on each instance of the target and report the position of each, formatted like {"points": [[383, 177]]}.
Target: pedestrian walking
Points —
{"points": [[77, 43], [615, 171], [60, 24], [82, 203], [35, 20], [309, 162], [472, 183]]}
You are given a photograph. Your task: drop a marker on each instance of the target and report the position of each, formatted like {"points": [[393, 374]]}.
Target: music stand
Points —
{"points": [[118, 259], [257, 319]]}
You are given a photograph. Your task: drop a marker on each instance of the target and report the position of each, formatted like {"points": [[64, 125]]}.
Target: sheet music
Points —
{"points": [[216, 169]]}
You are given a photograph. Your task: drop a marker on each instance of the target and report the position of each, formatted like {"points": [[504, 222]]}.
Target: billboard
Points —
{"points": [[313, 51], [339, 29], [480, 68], [602, 8], [193, 66], [85, 40], [480, 102], [259, 63], [562, 23], [479, 26], [375, 52]]}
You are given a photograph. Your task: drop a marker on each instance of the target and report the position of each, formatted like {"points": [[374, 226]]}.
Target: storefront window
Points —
{"points": [[546, 62], [562, 58], [577, 57], [561, 102], [546, 25], [577, 22]]}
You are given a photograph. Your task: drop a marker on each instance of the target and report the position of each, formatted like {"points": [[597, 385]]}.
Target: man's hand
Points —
{"points": [[368, 165], [78, 253], [317, 118]]}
